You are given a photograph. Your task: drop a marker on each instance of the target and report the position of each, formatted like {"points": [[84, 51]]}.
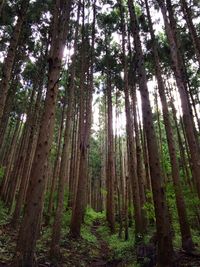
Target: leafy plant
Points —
{"points": [[149, 207], [1, 173]]}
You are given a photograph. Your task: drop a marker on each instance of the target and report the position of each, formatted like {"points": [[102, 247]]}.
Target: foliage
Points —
{"points": [[1, 173], [87, 235], [92, 216], [149, 207], [121, 249], [3, 213]]}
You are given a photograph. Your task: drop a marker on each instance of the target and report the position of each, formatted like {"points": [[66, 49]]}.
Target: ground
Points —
{"points": [[96, 247]]}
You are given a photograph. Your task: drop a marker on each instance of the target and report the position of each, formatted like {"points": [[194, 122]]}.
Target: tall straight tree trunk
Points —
{"points": [[8, 106], [110, 160], [73, 161], [164, 236], [194, 36], [20, 161], [33, 211], [9, 59], [65, 159], [187, 243], [1, 6], [180, 80], [184, 155], [131, 140], [63, 176], [56, 168], [34, 121], [15, 171], [10, 159], [140, 165], [85, 126]]}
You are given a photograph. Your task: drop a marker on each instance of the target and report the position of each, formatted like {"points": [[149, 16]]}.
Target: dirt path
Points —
{"points": [[105, 254]]}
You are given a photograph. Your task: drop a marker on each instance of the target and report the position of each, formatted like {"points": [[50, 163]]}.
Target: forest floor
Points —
{"points": [[96, 247]]}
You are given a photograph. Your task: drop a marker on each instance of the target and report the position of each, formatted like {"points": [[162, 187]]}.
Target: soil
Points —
{"points": [[104, 256], [77, 253]]}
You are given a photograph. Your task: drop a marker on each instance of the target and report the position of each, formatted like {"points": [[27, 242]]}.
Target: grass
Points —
{"points": [[121, 249]]}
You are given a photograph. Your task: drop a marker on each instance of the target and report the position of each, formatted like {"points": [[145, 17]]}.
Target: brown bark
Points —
{"points": [[57, 163], [187, 243], [9, 60], [131, 141], [84, 126], [72, 175], [30, 151], [165, 248], [194, 36], [180, 80], [139, 156], [33, 211], [110, 159], [65, 159], [10, 159]]}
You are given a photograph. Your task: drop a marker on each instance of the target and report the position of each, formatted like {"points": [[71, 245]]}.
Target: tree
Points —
{"points": [[185, 230], [32, 214], [9, 60], [165, 248]]}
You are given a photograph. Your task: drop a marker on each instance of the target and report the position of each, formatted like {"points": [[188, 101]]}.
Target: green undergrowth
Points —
{"points": [[191, 202], [119, 248], [92, 216], [1, 173], [7, 246], [122, 250], [4, 216]]}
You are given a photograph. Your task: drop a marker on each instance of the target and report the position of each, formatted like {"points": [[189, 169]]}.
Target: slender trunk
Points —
{"points": [[164, 237], [10, 159], [1, 6], [180, 80], [30, 226], [9, 60], [34, 122], [85, 125], [65, 159], [131, 141], [110, 161], [57, 163], [194, 36], [187, 243]]}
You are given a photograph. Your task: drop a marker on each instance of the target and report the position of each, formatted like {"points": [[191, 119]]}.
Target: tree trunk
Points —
{"points": [[194, 36], [9, 60], [187, 243], [180, 80], [139, 225], [85, 125], [110, 160], [33, 211], [164, 237]]}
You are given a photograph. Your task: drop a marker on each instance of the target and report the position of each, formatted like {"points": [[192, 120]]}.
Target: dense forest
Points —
{"points": [[99, 133]]}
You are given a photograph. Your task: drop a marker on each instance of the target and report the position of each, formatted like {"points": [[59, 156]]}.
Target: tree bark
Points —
{"points": [[180, 80], [33, 211], [164, 237], [9, 60], [187, 243]]}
